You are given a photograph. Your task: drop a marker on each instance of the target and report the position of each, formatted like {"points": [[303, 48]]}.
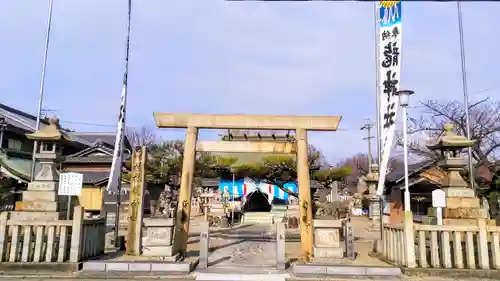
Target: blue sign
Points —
{"points": [[390, 13]]}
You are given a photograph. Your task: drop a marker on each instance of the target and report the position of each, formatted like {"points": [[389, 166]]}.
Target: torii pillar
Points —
{"points": [[193, 122]]}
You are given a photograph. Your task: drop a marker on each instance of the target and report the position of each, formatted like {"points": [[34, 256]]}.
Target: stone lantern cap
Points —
{"points": [[450, 140], [52, 132]]}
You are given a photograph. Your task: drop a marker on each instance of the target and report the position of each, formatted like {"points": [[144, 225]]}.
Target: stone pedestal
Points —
{"points": [[327, 239], [158, 238], [371, 181], [40, 201], [375, 213], [462, 208]]}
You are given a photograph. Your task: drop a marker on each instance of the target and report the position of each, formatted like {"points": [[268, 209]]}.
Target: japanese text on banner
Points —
{"points": [[390, 38]]}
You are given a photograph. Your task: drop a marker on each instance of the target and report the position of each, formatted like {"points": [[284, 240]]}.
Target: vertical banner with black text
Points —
{"points": [[390, 39], [116, 165]]}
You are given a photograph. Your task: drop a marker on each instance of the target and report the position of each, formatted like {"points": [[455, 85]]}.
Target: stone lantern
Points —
{"points": [[462, 206], [371, 180], [40, 200]]}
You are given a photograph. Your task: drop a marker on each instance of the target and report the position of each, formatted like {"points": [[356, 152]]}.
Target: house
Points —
{"points": [[424, 177], [88, 153]]}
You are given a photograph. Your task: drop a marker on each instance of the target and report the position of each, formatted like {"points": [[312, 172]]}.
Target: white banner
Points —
{"points": [[390, 35], [116, 166]]}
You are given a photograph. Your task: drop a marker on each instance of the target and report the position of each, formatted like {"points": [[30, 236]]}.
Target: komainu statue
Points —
{"points": [[164, 206]]}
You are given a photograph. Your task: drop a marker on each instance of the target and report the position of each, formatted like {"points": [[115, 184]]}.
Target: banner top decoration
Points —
{"points": [[390, 13]]}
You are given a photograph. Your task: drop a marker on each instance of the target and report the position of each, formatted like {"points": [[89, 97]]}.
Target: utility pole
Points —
{"points": [[368, 126]]}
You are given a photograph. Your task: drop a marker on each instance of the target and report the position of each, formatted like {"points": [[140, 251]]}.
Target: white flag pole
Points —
{"points": [[114, 183], [465, 92], [42, 86]]}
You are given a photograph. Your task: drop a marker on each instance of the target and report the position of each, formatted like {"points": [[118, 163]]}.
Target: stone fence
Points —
{"points": [[47, 241], [448, 246]]}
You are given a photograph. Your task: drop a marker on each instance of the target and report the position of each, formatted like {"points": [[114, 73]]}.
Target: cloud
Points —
{"points": [[213, 56]]}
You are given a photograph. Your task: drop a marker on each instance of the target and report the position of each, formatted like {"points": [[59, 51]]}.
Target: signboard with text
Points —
{"points": [[70, 184]]}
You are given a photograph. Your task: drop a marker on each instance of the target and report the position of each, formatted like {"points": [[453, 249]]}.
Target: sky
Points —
{"points": [[213, 56]]}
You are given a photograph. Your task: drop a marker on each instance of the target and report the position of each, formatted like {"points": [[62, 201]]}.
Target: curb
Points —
{"points": [[310, 270]]}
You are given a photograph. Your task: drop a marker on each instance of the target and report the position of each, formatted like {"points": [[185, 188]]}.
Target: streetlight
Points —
{"points": [[3, 127], [404, 100]]}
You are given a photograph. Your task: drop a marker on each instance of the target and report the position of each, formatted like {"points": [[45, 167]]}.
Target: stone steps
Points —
{"points": [[257, 218]]}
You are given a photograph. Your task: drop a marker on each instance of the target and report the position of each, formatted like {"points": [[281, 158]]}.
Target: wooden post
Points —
{"points": [[184, 202], [306, 227], [136, 208], [76, 235]]}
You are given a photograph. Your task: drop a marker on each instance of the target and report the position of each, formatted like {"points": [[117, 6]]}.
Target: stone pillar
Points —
{"points": [[334, 192], [204, 245], [372, 181], [136, 207], [184, 203], [40, 201], [306, 227], [280, 246]]}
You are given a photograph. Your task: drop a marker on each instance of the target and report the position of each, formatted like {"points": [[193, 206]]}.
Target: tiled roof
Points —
{"points": [[27, 122], [93, 177], [396, 176], [107, 138]]}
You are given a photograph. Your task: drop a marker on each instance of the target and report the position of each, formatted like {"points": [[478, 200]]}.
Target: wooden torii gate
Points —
{"points": [[194, 122]]}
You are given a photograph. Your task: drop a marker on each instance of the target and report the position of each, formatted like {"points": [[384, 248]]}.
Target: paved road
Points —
{"points": [[245, 245]]}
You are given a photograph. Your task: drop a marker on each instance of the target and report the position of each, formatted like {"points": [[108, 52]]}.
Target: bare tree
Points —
{"points": [[358, 165], [141, 136], [484, 123]]}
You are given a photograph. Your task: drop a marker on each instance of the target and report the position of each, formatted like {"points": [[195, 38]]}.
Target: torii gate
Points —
{"points": [[194, 122]]}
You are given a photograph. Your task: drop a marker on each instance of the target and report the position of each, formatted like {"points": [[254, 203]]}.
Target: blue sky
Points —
{"points": [[212, 56]]}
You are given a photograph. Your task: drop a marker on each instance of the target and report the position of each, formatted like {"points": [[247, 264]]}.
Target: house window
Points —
{"points": [[14, 144]]}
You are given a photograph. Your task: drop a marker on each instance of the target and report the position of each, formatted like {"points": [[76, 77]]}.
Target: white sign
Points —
{"points": [[70, 184], [438, 199], [389, 64]]}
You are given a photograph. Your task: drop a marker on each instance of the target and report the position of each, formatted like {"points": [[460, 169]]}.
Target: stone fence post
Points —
{"points": [[484, 260], [409, 244], [76, 234]]}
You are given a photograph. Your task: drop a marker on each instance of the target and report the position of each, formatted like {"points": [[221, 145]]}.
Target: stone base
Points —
{"points": [[36, 195], [463, 202], [320, 272], [157, 251], [42, 186], [40, 216], [334, 253], [460, 213], [40, 206], [433, 221], [458, 192], [91, 269]]}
